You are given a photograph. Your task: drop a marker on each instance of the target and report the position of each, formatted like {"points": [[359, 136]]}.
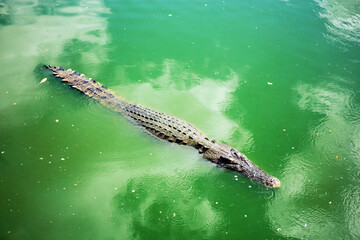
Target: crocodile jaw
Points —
{"points": [[253, 172], [273, 182]]}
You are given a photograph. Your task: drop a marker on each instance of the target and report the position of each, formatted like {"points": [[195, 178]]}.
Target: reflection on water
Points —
{"points": [[41, 39], [313, 176], [172, 206], [343, 17], [172, 203]]}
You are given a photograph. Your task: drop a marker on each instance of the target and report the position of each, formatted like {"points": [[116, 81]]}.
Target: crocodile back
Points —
{"points": [[165, 126], [161, 125]]}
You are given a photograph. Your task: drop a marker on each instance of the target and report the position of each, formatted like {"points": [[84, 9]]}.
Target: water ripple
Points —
{"points": [[314, 177], [343, 17]]}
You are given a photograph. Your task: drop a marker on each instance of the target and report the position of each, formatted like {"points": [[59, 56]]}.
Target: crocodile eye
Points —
{"points": [[235, 152]]}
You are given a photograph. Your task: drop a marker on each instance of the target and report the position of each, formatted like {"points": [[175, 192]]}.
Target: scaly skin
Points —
{"points": [[168, 127]]}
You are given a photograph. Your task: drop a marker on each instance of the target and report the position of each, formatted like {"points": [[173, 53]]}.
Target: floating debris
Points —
{"points": [[336, 157], [132, 190], [62, 159], [57, 120], [269, 83], [42, 81], [330, 203], [174, 214], [170, 15]]}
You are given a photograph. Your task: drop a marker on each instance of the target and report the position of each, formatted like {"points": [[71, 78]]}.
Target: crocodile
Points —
{"points": [[167, 127]]}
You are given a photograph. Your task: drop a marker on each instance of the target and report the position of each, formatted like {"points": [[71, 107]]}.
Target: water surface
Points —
{"points": [[278, 80]]}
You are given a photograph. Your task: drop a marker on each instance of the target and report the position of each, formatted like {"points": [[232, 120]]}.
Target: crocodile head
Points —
{"points": [[232, 159]]}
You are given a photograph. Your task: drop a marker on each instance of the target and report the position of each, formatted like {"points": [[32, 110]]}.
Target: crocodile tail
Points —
{"points": [[89, 87]]}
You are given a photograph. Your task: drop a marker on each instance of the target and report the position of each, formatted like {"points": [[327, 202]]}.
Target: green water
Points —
{"points": [[278, 80]]}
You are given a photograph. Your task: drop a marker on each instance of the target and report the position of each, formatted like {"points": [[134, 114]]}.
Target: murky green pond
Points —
{"points": [[278, 80]]}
